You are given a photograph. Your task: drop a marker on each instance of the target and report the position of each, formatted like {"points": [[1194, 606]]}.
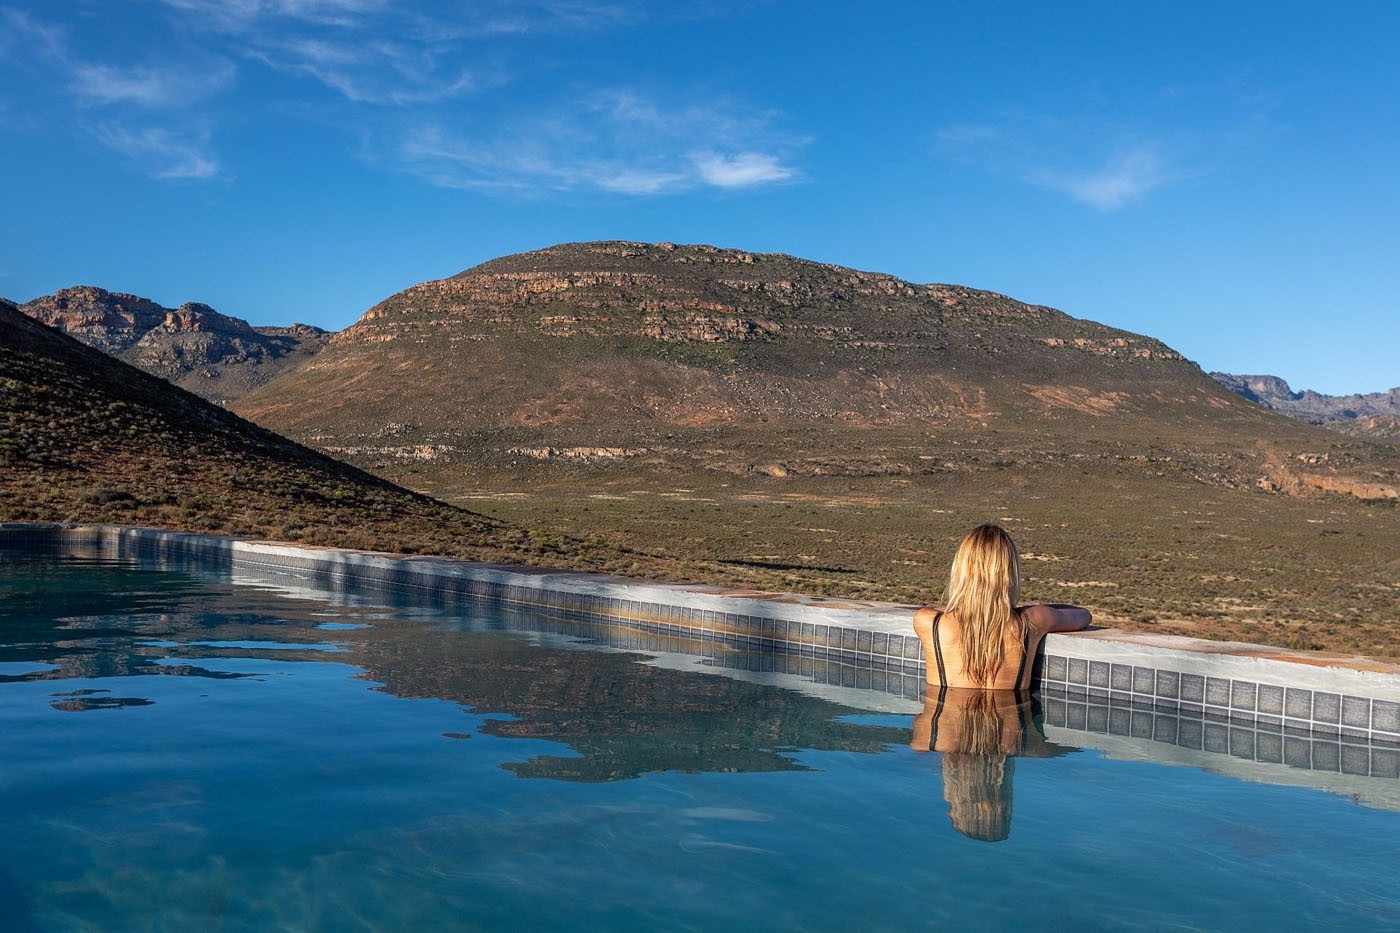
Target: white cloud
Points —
{"points": [[1125, 177], [162, 152], [741, 171]]}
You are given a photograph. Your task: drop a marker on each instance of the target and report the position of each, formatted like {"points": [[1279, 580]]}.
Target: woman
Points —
{"points": [[981, 638]]}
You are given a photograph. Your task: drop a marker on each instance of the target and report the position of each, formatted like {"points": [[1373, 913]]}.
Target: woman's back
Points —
{"points": [[946, 657]]}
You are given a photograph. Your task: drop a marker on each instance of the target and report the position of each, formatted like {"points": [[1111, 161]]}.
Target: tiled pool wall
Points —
{"points": [[1312, 712]]}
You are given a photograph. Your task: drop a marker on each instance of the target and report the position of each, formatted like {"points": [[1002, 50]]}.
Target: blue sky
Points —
{"points": [[1222, 176]]}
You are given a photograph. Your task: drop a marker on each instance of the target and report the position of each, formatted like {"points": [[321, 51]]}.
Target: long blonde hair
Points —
{"points": [[977, 776], [984, 587]]}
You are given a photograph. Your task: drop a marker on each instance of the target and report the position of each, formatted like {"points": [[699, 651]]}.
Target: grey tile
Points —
{"points": [[1098, 674], [1242, 743], [1297, 752], [1356, 712], [1189, 710], [1268, 747], [1217, 692], [1356, 759], [848, 641], [1080, 671], [1217, 738], [1097, 719], [879, 644], [1168, 707], [1193, 688], [1385, 716], [1271, 699], [1385, 763], [1243, 694], [1120, 677], [1077, 716], [1168, 684], [1119, 721], [1327, 756], [1054, 712], [1141, 726], [1144, 680], [1056, 668], [1165, 728], [1327, 707]]}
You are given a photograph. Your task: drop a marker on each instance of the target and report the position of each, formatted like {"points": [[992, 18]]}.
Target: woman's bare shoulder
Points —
{"points": [[923, 619]]}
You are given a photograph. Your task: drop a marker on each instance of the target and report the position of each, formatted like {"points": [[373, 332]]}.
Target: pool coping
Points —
{"points": [[1345, 697]]}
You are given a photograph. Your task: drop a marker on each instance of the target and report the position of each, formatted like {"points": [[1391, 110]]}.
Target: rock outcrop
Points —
{"points": [[213, 355], [1374, 415]]}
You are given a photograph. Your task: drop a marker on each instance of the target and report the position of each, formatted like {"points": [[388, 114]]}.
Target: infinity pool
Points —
{"points": [[179, 752]]}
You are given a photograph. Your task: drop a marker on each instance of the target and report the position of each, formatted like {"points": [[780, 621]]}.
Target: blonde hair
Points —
{"points": [[984, 587], [977, 776]]}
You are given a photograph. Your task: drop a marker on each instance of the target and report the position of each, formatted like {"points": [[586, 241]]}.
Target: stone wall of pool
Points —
{"points": [[1188, 697]]}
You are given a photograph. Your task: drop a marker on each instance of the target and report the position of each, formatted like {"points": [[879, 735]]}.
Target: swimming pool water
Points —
{"points": [[180, 752]]}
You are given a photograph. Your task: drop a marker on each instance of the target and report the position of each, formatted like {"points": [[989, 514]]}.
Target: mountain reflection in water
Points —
{"points": [[620, 717]]}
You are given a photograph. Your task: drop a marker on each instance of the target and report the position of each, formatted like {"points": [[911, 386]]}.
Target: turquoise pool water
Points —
{"points": [[180, 752]]}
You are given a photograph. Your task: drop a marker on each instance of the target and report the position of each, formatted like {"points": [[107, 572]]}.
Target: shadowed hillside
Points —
{"points": [[840, 429], [85, 438]]}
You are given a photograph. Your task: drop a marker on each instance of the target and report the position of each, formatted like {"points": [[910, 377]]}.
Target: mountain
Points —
{"points": [[841, 429], [1374, 415], [87, 438], [197, 348], [626, 351]]}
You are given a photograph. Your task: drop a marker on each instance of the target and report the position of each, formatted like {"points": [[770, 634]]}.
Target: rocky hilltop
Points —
{"points": [[1375, 414], [197, 348], [604, 344], [700, 358]]}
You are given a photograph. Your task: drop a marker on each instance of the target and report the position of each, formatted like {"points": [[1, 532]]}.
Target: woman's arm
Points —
{"points": [[1058, 617]]}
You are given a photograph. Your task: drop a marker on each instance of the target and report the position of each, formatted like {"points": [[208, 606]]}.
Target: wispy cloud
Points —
{"points": [[370, 70], [148, 86], [166, 153], [389, 52], [1106, 167], [144, 108], [620, 142], [418, 83], [1124, 178]]}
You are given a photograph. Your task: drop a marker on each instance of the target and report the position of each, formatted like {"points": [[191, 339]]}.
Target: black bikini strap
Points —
{"points": [[938, 653], [1025, 653]]}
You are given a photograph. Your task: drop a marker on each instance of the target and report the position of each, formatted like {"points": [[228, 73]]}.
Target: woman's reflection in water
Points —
{"points": [[979, 733]]}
